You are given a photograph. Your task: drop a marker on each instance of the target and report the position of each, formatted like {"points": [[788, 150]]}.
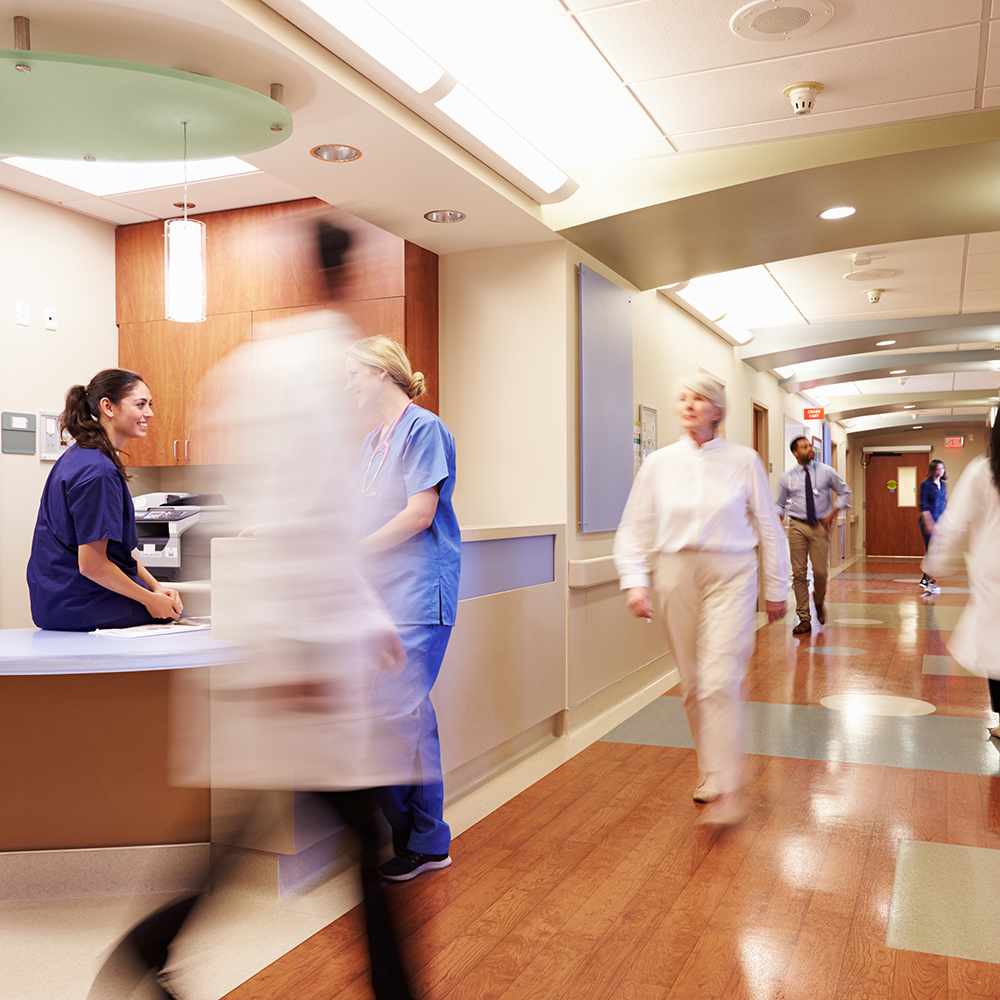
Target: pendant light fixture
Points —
{"points": [[184, 263]]}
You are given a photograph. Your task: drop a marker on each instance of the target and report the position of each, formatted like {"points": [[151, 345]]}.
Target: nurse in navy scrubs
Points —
{"points": [[82, 573], [411, 553]]}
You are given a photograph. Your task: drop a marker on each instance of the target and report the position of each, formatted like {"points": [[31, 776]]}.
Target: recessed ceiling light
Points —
{"points": [[898, 371], [444, 215], [841, 212], [335, 153], [884, 343]]}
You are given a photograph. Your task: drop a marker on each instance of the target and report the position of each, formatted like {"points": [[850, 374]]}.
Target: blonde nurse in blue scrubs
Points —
{"points": [[411, 554]]}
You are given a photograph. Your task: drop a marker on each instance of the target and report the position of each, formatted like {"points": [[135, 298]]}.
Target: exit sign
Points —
{"points": [[954, 442], [816, 414]]}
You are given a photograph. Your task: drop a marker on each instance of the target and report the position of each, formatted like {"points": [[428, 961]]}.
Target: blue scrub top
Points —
{"points": [[85, 499], [933, 499], [418, 579]]}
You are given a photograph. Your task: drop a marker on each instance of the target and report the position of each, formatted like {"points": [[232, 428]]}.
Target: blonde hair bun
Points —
{"points": [[385, 354]]}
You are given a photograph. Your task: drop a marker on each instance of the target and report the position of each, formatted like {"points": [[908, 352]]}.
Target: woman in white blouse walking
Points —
{"points": [[696, 513]]}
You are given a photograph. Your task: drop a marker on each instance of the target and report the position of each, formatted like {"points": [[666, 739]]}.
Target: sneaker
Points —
{"points": [[410, 864], [933, 588]]}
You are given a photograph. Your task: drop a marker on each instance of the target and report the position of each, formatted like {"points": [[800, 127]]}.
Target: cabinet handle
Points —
{"points": [[186, 443], [176, 443]]}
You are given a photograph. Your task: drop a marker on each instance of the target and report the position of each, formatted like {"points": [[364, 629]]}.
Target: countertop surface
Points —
{"points": [[37, 651]]}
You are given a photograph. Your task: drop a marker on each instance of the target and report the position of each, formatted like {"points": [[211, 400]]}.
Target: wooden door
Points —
{"points": [[154, 349], [208, 382], [890, 521]]}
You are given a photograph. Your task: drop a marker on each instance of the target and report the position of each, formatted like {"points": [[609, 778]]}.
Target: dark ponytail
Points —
{"points": [[81, 418]]}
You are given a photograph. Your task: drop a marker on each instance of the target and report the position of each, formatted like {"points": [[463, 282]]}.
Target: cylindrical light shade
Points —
{"points": [[184, 260]]}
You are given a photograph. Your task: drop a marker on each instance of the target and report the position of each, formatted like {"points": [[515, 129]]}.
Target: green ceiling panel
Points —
{"points": [[70, 107]]}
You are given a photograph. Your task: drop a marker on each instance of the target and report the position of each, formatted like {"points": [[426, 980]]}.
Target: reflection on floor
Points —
{"points": [[866, 867]]}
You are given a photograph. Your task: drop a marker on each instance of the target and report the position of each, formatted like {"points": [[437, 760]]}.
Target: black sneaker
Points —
{"points": [[410, 864]]}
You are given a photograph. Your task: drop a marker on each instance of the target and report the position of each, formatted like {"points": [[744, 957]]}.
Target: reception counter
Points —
{"points": [[84, 726]]}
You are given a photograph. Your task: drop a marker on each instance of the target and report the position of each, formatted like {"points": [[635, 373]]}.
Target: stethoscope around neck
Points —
{"points": [[380, 451]]}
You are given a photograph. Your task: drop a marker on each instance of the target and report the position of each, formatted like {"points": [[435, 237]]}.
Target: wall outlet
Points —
{"points": [[50, 319], [22, 314]]}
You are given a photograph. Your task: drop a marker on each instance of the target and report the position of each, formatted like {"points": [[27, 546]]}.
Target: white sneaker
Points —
{"points": [[933, 588]]}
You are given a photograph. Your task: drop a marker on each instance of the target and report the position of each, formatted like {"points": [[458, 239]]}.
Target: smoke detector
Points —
{"points": [[780, 20], [803, 96], [874, 294]]}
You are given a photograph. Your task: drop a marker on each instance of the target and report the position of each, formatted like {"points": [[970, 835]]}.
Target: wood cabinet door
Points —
{"points": [[154, 350], [217, 391]]}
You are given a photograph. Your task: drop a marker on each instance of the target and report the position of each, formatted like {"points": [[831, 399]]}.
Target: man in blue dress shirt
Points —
{"points": [[804, 498]]}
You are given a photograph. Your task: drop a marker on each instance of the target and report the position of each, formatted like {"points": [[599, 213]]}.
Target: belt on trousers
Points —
{"points": [[802, 520]]}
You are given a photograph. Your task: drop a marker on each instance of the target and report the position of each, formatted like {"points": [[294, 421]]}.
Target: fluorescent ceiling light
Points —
{"points": [[701, 302], [917, 427], [751, 296], [822, 400], [468, 111], [101, 179], [898, 371], [786, 372], [381, 39], [884, 343], [841, 212], [912, 406], [740, 334]]}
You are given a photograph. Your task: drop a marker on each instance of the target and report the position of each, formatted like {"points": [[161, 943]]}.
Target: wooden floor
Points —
{"points": [[596, 882]]}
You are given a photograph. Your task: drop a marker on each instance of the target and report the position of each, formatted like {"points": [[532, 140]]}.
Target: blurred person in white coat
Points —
{"points": [[686, 547], [965, 536], [301, 712]]}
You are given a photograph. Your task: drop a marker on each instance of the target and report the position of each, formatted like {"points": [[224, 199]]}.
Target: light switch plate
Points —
{"points": [[50, 319], [22, 314]]}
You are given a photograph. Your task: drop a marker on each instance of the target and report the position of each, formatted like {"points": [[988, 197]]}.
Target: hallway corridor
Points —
{"points": [[866, 867]]}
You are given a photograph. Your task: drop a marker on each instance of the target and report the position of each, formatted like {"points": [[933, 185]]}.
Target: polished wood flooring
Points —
{"points": [[597, 883]]}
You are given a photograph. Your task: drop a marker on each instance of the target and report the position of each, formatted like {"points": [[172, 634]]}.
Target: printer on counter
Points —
{"points": [[168, 547]]}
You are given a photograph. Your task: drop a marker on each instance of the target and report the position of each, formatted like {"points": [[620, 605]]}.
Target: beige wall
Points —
{"points": [[977, 439], [503, 369], [49, 257]]}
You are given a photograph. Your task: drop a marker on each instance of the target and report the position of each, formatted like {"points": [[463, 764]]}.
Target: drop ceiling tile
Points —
{"points": [[981, 301], [913, 383], [981, 282], [934, 65], [991, 97], [908, 274], [967, 411], [983, 243], [792, 126], [659, 38], [983, 263], [108, 211], [841, 389], [977, 380], [992, 78]]}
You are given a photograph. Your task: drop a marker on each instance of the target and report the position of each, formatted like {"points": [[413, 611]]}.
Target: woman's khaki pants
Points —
{"points": [[708, 601]]}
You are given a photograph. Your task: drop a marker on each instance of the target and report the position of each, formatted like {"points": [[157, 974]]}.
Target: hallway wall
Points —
{"points": [[49, 257]]}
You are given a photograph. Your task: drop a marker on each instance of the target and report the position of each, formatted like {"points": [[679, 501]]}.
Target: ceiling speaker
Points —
{"points": [[780, 20]]}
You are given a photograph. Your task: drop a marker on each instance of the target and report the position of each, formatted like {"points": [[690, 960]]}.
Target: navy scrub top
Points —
{"points": [[85, 499], [417, 579], [933, 498]]}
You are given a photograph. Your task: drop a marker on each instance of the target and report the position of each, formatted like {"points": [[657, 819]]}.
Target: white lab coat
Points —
{"points": [[970, 528]]}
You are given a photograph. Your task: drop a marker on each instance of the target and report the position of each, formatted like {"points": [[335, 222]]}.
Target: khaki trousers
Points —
{"points": [[707, 601], [808, 542]]}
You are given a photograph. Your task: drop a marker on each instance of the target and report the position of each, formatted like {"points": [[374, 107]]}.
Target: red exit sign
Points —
{"points": [[815, 414], [954, 442]]}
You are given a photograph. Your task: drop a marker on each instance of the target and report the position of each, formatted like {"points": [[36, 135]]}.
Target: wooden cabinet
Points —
{"points": [[175, 358], [261, 266]]}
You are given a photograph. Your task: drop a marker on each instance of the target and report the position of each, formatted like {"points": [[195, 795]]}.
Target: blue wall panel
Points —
{"points": [[498, 564], [606, 409]]}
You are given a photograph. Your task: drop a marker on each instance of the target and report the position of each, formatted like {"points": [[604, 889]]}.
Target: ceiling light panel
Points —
{"points": [[103, 179], [563, 92], [752, 297], [381, 39]]}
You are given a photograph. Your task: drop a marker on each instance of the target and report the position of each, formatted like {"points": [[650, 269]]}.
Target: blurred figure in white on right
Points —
{"points": [[967, 535]]}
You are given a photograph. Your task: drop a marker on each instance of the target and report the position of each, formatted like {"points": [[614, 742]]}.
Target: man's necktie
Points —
{"points": [[810, 505]]}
